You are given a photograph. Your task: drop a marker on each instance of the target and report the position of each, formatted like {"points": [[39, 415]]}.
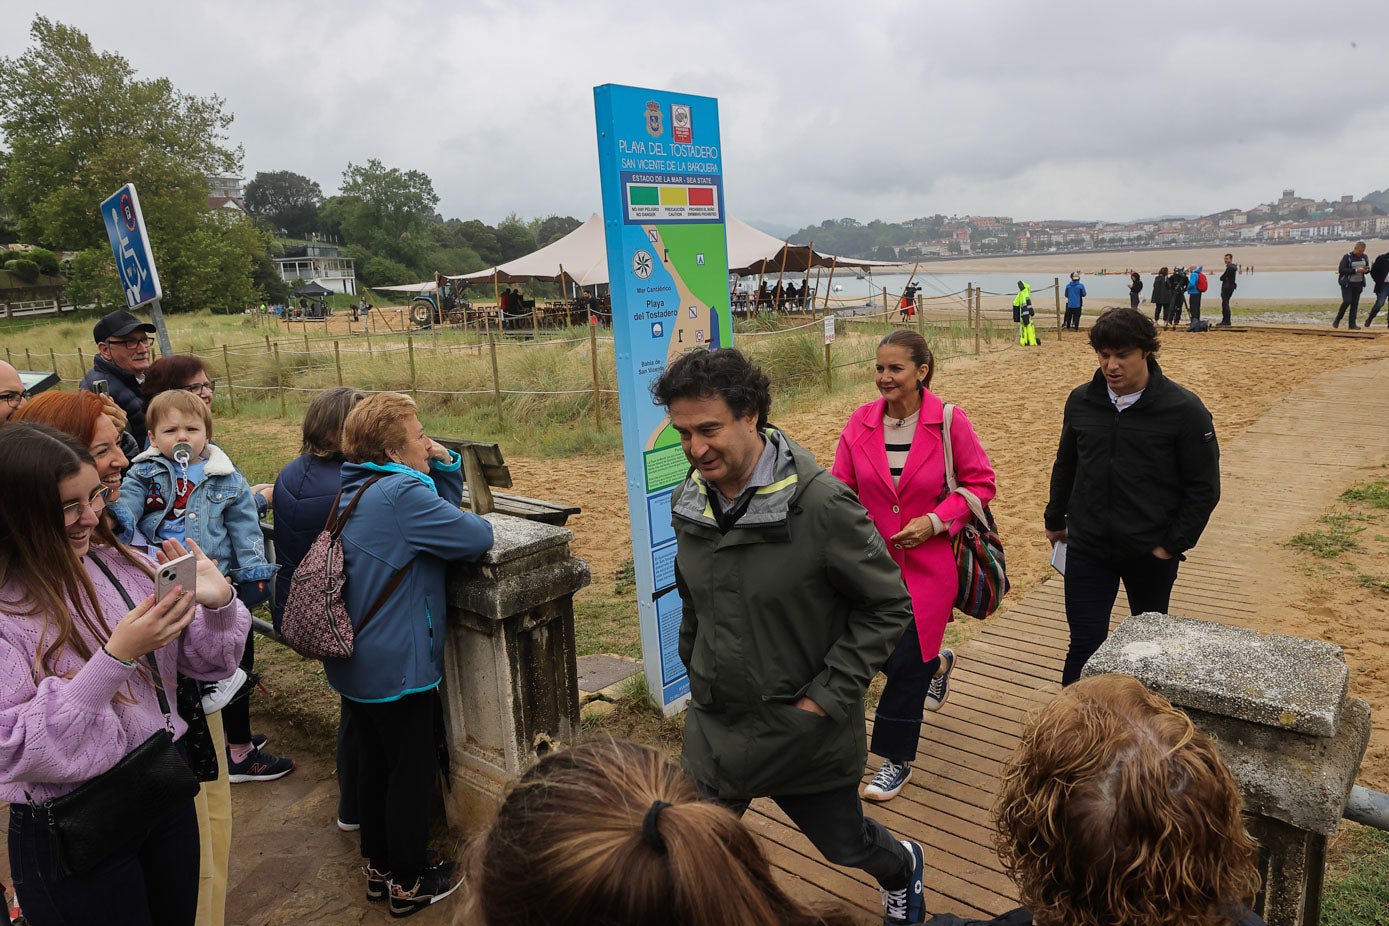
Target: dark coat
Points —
{"points": [[125, 390], [1160, 289], [798, 598], [304, 493], [1126, 482], [1227, 279]]}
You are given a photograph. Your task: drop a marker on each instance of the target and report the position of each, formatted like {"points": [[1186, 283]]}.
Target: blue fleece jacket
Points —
{"points": [[1192, 280], [1075, 294], [304, 493], [404, 519]]}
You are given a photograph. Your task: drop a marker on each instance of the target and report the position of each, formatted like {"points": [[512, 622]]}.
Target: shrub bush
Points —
{"points": [[25, 269]]}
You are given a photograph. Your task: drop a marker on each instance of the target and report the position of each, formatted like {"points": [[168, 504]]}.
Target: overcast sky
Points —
{"points": [[884, 109]]}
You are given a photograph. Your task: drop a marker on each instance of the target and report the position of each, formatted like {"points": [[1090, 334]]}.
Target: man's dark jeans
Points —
{"points": [[1092, 585], [834, 823]]}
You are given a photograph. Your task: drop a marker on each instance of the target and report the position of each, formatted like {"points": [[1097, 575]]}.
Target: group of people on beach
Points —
{"points": [[798, 585]]}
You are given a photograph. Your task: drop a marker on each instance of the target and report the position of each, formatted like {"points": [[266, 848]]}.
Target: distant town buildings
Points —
{"points": [[1289, 218]]}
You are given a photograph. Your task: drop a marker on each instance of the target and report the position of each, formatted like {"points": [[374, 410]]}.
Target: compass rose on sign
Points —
{"points": [[642, 264]]}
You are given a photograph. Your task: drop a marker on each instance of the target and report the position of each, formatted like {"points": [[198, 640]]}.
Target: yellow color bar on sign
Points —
{"points": [[673, 196]]}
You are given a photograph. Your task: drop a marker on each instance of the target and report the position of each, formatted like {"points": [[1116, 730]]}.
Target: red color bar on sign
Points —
{"points": [[701, 196]]}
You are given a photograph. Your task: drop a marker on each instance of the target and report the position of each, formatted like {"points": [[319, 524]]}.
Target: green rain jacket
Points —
{"points": [[800, 597]]}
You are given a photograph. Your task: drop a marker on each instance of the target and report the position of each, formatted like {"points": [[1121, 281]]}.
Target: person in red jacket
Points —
{"points": [[891, 455]]}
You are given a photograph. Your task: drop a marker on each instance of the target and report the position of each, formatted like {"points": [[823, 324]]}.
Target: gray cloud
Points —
{"points": [[873, 109]]}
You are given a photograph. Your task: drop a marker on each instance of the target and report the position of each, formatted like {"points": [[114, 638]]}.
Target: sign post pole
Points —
{"points": [[663, 217]]}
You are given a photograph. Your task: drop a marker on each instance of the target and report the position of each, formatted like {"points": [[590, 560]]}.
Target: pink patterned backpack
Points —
{"points": [[315, 621]]}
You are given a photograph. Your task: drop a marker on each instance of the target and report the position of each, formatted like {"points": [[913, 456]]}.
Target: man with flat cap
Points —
{"points": [[123, 346]]}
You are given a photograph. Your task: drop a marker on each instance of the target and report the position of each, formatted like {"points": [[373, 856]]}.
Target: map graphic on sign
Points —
{"points": [[663, 210]]}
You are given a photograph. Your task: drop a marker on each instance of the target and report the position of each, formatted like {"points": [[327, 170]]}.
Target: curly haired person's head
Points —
{"points": [[1116, 811], [1121, 329], [609, 833], [726, 373]]}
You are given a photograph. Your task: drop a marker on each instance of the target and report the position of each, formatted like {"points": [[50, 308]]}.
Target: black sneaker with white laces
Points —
{"points": [[378, 883], [434, 885], [939, 688], [908, 904]]}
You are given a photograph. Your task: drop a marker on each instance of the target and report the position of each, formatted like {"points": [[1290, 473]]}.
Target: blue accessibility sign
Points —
{"points": [[125, 227]]}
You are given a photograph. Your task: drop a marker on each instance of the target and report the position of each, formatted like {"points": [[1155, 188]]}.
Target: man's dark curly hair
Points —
{"points": [[726, 373], [1120, 329]]}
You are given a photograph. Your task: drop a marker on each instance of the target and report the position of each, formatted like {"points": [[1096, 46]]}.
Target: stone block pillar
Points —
{"points": [[510, 685], [1278, 711]]}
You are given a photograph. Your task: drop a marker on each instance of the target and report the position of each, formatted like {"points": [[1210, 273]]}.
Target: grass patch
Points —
{"points": [[1338, 536], [1375, 494], [635, 716], [1357, 879], [1373, 583]]}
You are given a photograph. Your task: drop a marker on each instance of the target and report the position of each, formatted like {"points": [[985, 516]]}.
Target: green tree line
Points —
{"points": [[78, 123]]}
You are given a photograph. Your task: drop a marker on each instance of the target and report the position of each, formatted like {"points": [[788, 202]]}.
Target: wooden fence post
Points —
{"points": [[231, 387], [28, 361], [53, 362], [370, 355], [337, 361], [496, 378], [1056, 291], [978, 316], [410, 346], [279, 381], [81, 361], [829, 370], [593, 357]]}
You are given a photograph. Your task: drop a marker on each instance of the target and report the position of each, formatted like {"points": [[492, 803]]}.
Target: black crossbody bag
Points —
{"points": [[117, 809]]}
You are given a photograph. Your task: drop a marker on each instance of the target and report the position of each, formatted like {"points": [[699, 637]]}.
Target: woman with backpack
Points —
{"points": [[405, 528]]}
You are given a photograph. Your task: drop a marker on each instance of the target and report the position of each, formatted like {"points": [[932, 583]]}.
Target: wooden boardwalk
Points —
{"points": [[1284, 470]]}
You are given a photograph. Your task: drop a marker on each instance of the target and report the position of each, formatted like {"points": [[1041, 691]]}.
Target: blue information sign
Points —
{"points": [[125, 227], [663, 216]]}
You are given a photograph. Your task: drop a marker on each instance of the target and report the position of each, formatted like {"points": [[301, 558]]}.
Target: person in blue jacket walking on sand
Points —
{"points": [[1075, 298]]}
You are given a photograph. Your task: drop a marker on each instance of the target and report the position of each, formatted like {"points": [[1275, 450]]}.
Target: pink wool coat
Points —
{"points": [[860, 462]]}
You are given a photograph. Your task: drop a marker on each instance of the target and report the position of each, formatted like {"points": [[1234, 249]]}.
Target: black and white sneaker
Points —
{"points": [[939, 689], [378, 883], [434, 885], [888, 782]]}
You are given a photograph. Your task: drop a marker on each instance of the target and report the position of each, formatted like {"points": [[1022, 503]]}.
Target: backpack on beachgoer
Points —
{"points": [[1202, 284], [316, 623]]}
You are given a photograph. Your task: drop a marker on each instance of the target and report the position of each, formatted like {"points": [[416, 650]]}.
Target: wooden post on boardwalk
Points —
{"points": [[279, 381], [337, 361], [226, 366], [1056, 286], [496, 378], [593, 359]]}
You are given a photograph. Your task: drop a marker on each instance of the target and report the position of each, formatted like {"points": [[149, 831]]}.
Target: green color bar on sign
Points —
{"points": [[644, 195]]}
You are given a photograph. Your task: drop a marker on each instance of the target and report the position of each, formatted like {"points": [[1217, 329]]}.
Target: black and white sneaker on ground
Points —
{"points": [[939, 689], [908, 904], [889, 780], [434, 885]]}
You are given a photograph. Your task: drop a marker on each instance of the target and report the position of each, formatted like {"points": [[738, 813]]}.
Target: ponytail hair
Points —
{"points": [[610, 833]]}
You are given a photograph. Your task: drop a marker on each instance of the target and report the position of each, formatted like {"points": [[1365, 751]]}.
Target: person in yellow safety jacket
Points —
{"points": [[1022, 314]]}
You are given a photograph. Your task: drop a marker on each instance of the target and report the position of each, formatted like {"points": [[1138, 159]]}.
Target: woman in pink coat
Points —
{"points": [[891, 454]]}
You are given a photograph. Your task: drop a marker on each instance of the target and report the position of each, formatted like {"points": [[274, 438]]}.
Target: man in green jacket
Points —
{"points": [[791, 604]]}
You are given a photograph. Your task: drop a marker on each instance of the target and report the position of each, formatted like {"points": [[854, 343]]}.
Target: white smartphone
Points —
{"points": [[181, 571]]}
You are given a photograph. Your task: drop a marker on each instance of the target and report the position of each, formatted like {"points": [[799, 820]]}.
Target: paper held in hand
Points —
{"points": [[1058, 556]]}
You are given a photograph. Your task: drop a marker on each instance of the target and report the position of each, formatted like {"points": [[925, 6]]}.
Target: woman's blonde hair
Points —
{"points": [[609, 833], [377, 424], [1116, 811]]}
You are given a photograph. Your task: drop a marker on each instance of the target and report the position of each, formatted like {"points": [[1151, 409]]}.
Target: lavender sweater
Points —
{"points": [[68, 727]]}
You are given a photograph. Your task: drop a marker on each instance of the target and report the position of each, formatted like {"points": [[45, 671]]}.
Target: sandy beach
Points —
{"points": [[1311, 255]]}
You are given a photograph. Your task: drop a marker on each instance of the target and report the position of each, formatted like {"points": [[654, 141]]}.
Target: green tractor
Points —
{"points": [[444, 306]]}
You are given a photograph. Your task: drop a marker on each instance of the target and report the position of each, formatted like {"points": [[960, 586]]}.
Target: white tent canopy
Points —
{"points": [[583, 254]]}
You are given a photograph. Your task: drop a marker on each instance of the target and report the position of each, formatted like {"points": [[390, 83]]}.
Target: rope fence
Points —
{"points": [[295, 364]]}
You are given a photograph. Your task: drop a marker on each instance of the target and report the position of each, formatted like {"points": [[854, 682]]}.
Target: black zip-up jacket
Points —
{"points": [[1126, 482]]}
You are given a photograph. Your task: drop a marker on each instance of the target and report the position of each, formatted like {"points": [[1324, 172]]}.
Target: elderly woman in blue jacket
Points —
{"points": [[396, 548]]}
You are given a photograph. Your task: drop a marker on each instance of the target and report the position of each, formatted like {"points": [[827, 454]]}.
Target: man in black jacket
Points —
{"points": [[1227, 289], [1379, 274], [123, 346], [1136, 477]]}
